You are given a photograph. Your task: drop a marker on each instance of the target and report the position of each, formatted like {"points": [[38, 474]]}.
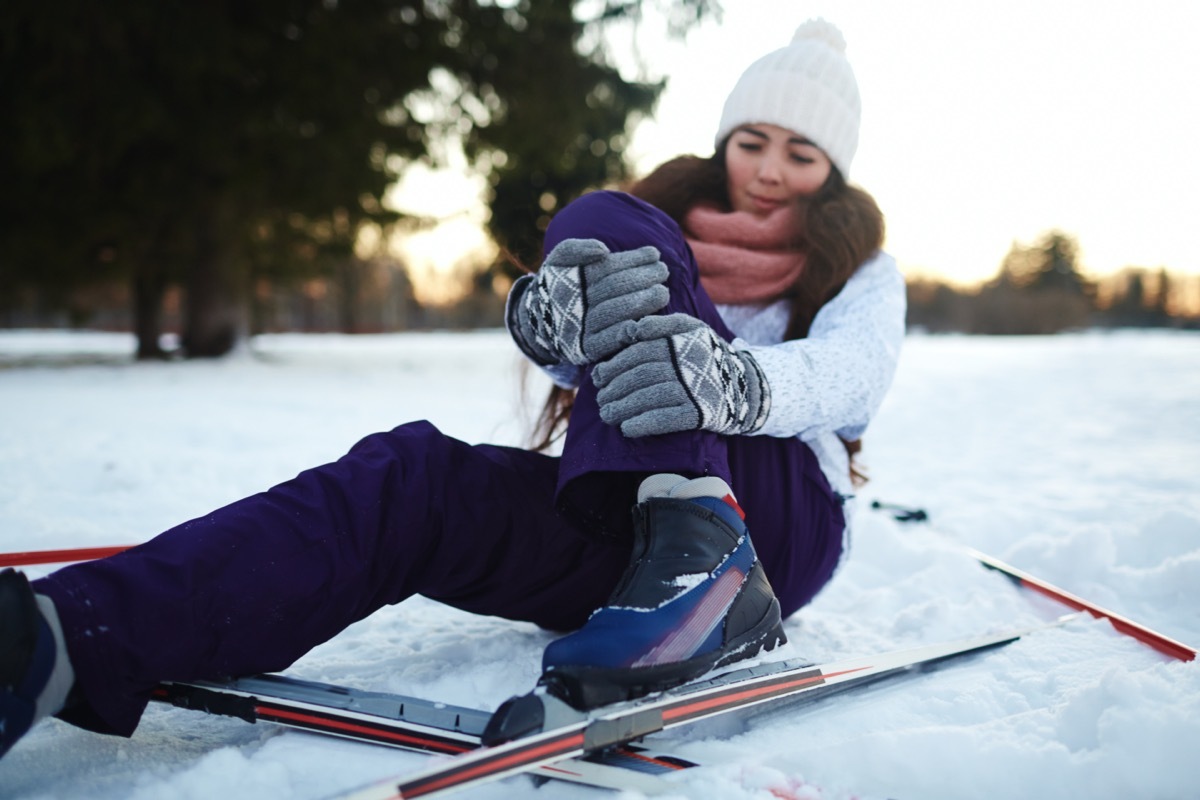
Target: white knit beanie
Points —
{"points": [[807, 87]]}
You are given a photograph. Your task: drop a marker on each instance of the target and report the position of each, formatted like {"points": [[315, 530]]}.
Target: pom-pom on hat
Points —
{"points": [[807, 87]]}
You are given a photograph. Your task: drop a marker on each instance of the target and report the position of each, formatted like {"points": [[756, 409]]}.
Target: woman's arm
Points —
{"points": [[836, 378]]}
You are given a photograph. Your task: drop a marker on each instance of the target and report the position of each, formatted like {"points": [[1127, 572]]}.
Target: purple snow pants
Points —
{"points": [[253, 586]]}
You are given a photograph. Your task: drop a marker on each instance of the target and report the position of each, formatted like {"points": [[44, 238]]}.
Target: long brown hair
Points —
{"points": [[840, 227]]}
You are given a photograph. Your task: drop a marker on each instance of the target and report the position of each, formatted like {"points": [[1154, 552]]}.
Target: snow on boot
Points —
{"points": [[33, 682], [693, 597]]}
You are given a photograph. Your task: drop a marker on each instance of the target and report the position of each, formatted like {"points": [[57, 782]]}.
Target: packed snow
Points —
{"points": [[1076, 458]]}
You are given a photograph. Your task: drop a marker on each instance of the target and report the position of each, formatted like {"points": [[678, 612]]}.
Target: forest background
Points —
{"points": [[199, 173]]}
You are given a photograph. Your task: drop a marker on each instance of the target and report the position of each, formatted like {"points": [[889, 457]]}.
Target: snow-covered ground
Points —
{"points": [[1075, 457]]}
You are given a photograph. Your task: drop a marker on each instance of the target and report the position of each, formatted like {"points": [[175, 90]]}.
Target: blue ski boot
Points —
{"points": [[693, 597], [30, 686]]}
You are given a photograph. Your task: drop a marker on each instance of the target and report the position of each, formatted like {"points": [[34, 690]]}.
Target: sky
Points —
{"points": [[984, 124]]}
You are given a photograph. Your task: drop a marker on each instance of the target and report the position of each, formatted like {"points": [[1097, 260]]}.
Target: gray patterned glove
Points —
{"points": [[678, 376], [580, 305]]}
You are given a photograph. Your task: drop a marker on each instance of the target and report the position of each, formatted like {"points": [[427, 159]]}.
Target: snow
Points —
{"points": [[1075, 458]]}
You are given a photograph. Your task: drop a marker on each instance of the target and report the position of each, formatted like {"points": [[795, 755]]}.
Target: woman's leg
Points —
{"points": [[795, 518], [253, 586], [592, 447], [694, 594]]}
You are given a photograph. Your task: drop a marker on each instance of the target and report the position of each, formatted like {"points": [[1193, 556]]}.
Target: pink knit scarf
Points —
{"points": [[744, 258]]}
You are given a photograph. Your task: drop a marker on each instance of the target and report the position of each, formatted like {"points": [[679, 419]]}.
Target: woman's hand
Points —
{"points": [[678, 375], [580, 306]]}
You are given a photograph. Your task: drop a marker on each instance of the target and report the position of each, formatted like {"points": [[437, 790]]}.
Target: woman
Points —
{"points": [[737, 372]]}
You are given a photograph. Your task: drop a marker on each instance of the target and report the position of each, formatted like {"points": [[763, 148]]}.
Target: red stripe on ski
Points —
{"points": [[521, 758], [658, 762], [576, 740], [324, 723], [740, 697]]}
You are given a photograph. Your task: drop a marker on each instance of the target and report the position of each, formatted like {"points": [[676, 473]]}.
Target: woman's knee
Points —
{"points": [[407, 461], [622, 222], [420, 438]]}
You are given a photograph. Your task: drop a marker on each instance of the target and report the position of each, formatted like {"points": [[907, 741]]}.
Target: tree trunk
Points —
{"points": [[215, 311], [149, 287], [348, 284]]}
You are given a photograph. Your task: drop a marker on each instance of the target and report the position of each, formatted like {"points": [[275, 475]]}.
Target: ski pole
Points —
{"points": [[901, 513], [1163, 644], [29, 557]]}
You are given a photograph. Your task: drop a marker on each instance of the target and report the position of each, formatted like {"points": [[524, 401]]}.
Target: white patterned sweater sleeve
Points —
{"points": [[831, 383]]}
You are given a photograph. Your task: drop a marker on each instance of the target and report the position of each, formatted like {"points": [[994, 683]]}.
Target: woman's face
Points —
{"points": [[770, 167]]}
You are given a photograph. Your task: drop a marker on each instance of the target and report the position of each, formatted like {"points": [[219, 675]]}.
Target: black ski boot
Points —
{"points": [[27, 656], [694, 597]]}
